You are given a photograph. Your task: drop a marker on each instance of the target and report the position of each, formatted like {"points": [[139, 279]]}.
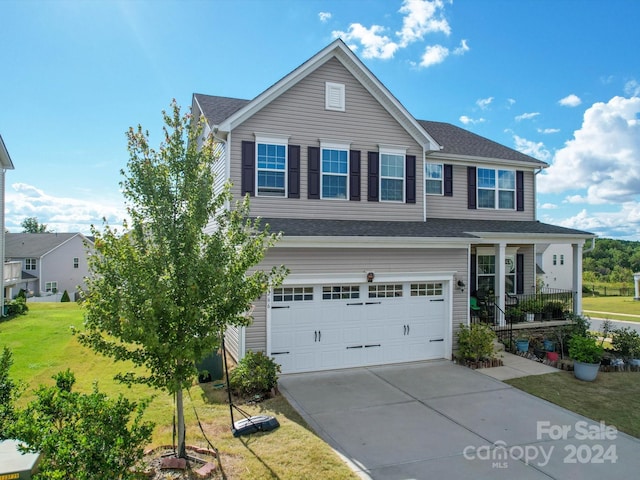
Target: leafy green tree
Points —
{"points": [[82, 436], [9, 392], [163, 291], [31, 225]]}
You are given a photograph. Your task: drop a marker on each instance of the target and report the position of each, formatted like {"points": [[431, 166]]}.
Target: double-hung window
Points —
{"points": [[496, 189], [392, 175], [29, 263], [335, 170], [433, 179], [271, 155]]}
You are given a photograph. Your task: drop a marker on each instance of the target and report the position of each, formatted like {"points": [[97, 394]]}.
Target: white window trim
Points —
{"points": [[270, 139], [393, 150], [329, 145], [496, 189], [427, 178], [334, 96]]}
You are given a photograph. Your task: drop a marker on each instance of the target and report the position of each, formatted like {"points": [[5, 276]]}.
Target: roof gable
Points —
{"points": [[5, 159], [238, 113]]}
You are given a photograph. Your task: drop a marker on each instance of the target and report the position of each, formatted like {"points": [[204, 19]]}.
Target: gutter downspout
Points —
{"points": [[2, 247]]}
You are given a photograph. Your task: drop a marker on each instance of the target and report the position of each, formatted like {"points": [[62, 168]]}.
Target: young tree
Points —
{"points": [[31, 225], [164, 290]]}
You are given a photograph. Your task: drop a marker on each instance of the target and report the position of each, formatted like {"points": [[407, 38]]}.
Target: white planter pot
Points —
{"points": [[530, 317], [585, 371]]}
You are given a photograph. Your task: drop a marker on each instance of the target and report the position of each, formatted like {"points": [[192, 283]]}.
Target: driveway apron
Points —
{"points": [[440, 420]]}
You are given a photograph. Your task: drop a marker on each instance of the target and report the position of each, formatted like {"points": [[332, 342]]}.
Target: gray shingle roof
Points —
{"points": [[216, 109], [432, 228], [33, 245], [458, 141]]}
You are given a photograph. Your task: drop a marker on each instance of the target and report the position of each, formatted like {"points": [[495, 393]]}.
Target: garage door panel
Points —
{"points": [[348, 328]]}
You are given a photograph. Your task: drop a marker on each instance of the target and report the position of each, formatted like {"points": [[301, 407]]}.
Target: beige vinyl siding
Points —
{"points": [[328, 262], [300, 113], [456, 205], [219, 167], [232, 342]]}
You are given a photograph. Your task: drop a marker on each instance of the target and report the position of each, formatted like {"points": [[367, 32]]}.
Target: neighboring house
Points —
{"points": [[388, 222], [556, 264], [50, 262], [5, 164]]}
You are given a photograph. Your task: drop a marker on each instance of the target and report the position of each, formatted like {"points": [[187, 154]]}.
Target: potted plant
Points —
{"points": [[586, 353], [522, 343], [552, 310], [532, 308], [626, 342]]}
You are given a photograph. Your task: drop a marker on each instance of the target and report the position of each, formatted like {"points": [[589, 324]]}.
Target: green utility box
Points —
{"points": [[15, 465], [210, 368]]}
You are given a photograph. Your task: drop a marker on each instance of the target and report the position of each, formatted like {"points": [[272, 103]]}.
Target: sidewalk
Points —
{"points": [[516, 366]]}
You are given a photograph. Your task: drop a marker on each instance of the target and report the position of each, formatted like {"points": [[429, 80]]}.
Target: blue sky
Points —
{"points": [[556, 79]]}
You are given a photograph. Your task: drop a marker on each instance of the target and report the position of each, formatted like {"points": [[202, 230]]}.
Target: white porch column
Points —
{"points": [[636, 281], [500, 283], [577, 278]]}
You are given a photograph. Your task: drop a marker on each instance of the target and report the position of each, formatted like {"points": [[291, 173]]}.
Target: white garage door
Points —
{"points": [[323, 327]]}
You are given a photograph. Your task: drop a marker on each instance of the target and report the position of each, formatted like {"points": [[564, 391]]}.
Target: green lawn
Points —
{"points": [[611, 398], [42, 345], [614, 306]]}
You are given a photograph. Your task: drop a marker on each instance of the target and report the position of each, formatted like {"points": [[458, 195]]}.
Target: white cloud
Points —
{"points": [[468, 120], [421, 17], [60, 214], [433, 55], [632, 88], [511, 102], [527, 116], [375, 44], [548, 206], [324, 16], [600, 162], [534, 149], [464, 47], [547, 131], [570, 101], [623, 223], [483, 103]]}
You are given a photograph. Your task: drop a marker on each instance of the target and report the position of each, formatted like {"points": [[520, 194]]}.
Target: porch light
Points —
{"points": [[370, 277]]}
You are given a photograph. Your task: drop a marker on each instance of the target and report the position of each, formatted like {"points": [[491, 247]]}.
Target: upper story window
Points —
{"points": [[433, 179], [335, 170], [555, 259], [334, 96], [76, 262], [496, 189], [29, 263], [392, 175], [561, 259], [271, 155]]}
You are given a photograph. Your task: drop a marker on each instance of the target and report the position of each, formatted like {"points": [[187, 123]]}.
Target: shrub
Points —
{"points": [[255, 374], [475, 342], [65, 297], [585, 349], [9, 392], [626, 342], [17, 306], [82, 436]]}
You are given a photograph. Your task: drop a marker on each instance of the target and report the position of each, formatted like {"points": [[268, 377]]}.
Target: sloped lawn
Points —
{"points": [[42, 345], [612, 398]]}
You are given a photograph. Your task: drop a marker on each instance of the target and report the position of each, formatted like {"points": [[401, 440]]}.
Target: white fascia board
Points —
{"points": [[5, 159], [361, 277], [352, 63], [492, 238], [473, 161], [372, 242]]}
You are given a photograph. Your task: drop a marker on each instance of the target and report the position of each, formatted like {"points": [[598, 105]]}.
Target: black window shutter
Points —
{"points": [[519, 273], [354, 175], [520, 190], [473, 279], [448, 180], [294, 171], [248, 168], [374, 165], [411, 179], [471, 188], [313, 173]]}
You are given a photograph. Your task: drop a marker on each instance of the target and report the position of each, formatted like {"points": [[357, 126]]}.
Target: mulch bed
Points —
{"points": [[162, 464]]}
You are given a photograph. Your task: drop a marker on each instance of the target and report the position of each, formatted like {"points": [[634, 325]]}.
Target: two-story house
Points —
{"points": [[51, 262], [388, 222]]}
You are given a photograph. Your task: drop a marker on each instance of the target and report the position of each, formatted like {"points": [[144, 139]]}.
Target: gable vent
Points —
{"points": [[334, 96]]}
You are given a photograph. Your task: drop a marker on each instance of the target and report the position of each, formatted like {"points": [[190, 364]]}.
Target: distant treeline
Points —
{"points": [[612, 261]]}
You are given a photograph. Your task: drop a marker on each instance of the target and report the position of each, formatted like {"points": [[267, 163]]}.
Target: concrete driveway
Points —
{"points": [[441, 420]]}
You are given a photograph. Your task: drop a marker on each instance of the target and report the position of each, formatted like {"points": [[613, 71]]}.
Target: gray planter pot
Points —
{"points": [[586, 371]]}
